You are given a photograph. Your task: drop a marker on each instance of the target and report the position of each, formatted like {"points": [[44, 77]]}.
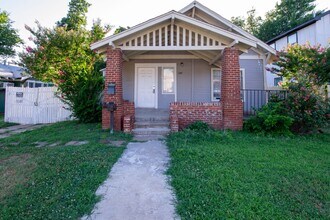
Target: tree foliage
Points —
{"points": [[121, 29], [76, 17], [251, 23], [62, 55], [286, 15], [304, 63], [9, 37]]}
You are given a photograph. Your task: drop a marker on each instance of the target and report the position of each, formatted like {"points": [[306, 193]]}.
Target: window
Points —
{"points": [[215, 84], [168, 76], [31, 84], [277, 81], [2, 85], [292, 39], [37, 85], [242, 75], [273, 45]]}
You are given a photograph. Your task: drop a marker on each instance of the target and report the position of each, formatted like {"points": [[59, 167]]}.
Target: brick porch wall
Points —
{"points": [[230, 90], [113, 75], [129, 116], [185, 113]]}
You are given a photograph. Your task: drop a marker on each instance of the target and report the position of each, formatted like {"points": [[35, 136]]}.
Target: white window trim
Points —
{"points": [[242, 70], [212, 97], [162, 82]]}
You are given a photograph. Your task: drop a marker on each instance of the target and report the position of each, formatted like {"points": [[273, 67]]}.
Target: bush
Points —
{"points": [[308, 109], [270, 119], [85, 102], [199, 126]]}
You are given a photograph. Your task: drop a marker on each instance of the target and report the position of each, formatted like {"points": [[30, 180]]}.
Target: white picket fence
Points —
{"points": [[34, 106]]}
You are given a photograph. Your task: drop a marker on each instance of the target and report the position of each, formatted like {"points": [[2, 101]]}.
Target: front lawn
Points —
{"points": [[238, 175], [4, 124], [54, 182]]}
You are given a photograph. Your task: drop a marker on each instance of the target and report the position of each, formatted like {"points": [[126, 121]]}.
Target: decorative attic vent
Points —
{"points": [[172, 36]]}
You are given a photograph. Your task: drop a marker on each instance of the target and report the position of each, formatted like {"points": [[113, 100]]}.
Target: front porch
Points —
{"points": [[184, 88]]}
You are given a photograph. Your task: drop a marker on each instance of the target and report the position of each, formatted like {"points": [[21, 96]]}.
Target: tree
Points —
{"points": [[62, 55], [9, 37], [251, 24], [76, 17], [238, 21], [121, 29], [286, 15], [304, 63]]}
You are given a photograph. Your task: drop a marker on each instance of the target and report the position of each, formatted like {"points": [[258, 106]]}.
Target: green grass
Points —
{"points": [[4, 124], [54, 182], [224, 175]]}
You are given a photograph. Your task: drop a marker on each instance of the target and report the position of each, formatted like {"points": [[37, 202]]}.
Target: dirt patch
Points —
{"points": [[76, 143], [113, 143], [14, 171]]}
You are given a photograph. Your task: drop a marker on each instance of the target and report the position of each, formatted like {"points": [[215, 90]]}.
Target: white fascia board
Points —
{"points": [[134, 29], [171, 15], [215, 29], [228, 23]]}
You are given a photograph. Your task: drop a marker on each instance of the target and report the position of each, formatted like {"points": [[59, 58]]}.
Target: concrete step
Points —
{"points": [[151, 131], [146, 118], [152, 124], [140, 137]]}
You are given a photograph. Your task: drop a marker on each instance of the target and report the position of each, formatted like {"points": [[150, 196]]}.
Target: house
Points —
{"points": [[315, 32], [192, 63]]}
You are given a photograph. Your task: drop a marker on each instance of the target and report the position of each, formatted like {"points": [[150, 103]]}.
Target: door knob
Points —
{"points": [[153, 89]]}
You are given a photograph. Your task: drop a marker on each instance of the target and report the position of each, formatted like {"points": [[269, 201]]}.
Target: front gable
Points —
{"points": [[195, 29]]}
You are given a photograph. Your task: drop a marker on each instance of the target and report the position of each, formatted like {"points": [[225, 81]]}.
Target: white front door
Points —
{"points": [[146, 87]]}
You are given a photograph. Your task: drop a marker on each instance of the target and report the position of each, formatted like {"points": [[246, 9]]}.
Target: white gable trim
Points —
{"points": [[228, 23], [172, 15]]}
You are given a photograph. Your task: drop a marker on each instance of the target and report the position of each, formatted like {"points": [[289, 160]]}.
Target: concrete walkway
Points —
{"points": [[137, 187], [16, 129]]}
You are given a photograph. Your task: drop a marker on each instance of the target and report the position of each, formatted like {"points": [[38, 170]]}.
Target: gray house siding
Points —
{"points": [[254, 74], [193, 79]]}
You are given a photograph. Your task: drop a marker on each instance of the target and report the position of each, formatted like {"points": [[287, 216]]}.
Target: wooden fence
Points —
{"points": [[34, 106]]}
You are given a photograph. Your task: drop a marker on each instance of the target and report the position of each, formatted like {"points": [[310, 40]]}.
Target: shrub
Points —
{"points": [[308, 109], [270, 119], [85, 99], [199, 126]]}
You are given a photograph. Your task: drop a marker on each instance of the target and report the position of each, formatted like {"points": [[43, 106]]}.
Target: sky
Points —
{"points": [[124, 12]]}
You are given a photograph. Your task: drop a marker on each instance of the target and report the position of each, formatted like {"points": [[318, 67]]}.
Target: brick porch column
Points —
{"points": [[230, 90], [113, 75]]}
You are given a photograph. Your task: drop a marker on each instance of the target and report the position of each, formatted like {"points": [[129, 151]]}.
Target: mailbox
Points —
{"points": [[111, 88], [111, 106]]}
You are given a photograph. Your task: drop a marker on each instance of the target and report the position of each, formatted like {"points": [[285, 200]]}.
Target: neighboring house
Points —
{"points": [[193, 63], [315, 32]]}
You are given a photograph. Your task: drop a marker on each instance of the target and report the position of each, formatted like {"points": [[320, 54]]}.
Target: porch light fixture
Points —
{"points": [[111, 88]]}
